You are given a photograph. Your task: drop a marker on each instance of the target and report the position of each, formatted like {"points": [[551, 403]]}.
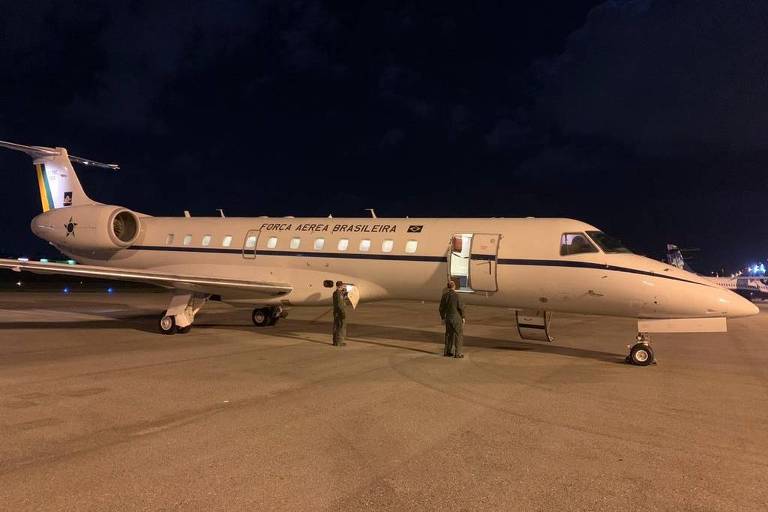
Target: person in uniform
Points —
{"points": [[339, 314], [452, 313]]}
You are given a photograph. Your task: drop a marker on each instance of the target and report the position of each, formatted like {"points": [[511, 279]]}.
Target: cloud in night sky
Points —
{"points": [[519, 109], [666, 78]]}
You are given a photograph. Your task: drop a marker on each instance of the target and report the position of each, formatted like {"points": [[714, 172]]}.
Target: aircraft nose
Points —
{"points": [[731, 304], [739, 306]]}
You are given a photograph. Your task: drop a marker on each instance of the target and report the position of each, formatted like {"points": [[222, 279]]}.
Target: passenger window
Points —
{"points": [[365, 245], [250, 242], [169, 239], [227, 241], [187, 239], [343, 244], [411, 246], [295, 243], [387, 245], [575, 243], [319, 243], [206, 240], [272, 242]]}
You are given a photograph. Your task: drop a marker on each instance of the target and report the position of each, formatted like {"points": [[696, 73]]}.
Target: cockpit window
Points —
{"points": [[607, 243], [575, 243]]}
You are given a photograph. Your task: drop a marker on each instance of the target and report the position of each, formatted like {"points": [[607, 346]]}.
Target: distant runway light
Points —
{"points": [[43, 260], [23, 260], [18, 283], [66, 290], [71, 262], [110, 290]]}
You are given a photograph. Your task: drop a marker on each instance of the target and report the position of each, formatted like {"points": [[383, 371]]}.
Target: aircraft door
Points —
{"points": [[482, 262], [249, 244]]}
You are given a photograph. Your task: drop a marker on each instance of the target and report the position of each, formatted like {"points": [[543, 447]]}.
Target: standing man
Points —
{"points": [[339, 315], [452, 313]]}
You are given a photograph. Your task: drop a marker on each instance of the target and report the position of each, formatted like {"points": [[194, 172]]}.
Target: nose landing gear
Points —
{"points": [[641, 353]]}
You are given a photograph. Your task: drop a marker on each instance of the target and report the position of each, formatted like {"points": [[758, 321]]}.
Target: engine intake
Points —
{"points": [[125, 226]]}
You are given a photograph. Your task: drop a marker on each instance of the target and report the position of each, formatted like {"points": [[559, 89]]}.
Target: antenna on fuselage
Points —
{"points": [[221, 212], [373, 212], [186, 214]]}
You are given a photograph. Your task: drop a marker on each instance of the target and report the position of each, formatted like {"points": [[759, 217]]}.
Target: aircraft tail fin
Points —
{"points": [[56, 178], [675, 258]]}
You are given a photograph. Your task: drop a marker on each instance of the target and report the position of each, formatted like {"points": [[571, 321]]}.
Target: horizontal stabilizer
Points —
{"points": [[42, 152]]}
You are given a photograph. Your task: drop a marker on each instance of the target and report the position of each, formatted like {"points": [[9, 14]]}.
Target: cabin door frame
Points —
{"points": [[483, 262], [473, 261]]}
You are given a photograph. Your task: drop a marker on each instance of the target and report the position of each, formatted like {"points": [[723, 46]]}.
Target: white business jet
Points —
{"points": [[533, 266]]}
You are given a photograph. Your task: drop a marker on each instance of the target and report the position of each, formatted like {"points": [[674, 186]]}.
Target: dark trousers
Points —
{"points": [[454, 337], [339, 329]]}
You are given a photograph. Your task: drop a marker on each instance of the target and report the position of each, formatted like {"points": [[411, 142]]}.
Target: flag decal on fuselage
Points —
{"points": [[415, 229], [45, 190]]}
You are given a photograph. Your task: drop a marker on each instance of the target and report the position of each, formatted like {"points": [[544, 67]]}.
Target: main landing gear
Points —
{"points": [[263, 317], [641, 353], [181, 312]]}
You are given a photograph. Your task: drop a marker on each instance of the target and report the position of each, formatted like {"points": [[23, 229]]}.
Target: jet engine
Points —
{"points": [[88, 228]]}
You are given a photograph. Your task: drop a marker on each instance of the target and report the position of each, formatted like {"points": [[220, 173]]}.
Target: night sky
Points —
{"points": [[647, 119]]}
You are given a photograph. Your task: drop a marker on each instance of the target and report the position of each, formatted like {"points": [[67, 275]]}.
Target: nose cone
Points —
{"points": [[739, 306]]}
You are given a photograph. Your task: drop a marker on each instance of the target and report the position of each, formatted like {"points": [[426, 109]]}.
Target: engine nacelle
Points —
{"points": [[88, 227]]}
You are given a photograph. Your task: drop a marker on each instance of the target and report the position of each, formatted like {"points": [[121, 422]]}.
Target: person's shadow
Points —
{"points": [[316, 330], [397, 337]]}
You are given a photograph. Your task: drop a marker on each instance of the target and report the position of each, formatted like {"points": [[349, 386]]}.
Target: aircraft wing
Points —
{"points": [[214, 285]]}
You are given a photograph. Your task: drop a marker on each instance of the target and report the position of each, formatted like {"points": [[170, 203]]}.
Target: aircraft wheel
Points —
{"points": [[167, 325], [261, 317], [641, 354], [184, 330]]}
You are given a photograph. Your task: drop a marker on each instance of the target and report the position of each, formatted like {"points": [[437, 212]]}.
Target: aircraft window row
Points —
{"points": [[205, 241], [387, 245], [343, 244], [575, 243]]}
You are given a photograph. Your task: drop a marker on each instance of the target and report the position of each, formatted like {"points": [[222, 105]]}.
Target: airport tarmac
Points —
{"points": [[99, 412]]}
